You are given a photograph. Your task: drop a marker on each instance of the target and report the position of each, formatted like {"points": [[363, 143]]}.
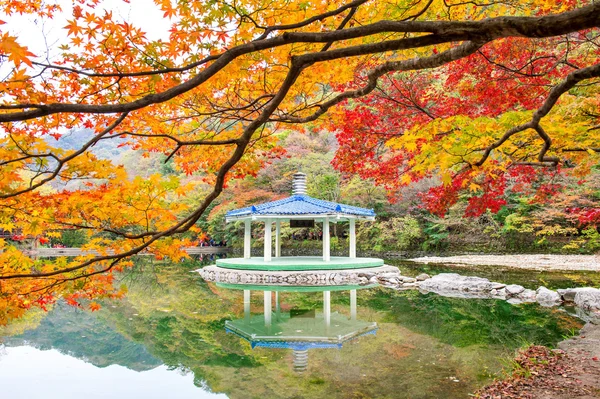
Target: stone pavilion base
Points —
{"points": [[216, 273]]}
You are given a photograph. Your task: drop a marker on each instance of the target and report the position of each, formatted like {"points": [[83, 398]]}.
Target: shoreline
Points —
{"points": [[571, 371], [538, 262]]}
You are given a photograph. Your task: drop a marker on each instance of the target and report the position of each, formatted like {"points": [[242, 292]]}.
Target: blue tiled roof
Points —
{"points": [[297, 345], [300, 205]]}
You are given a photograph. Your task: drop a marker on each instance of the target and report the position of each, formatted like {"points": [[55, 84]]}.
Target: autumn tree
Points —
{"points": [[212, 95]]}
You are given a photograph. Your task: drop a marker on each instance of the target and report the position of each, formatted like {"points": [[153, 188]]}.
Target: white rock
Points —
{"points": [[588, 299], [513, 289], [389, 274], [568, 295], [423, 277], [527, 296], [455, 285], [499, 293], [547, 298]]}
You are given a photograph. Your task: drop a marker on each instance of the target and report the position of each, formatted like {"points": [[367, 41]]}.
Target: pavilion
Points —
{"points": [[300, 210], [301, 330]]}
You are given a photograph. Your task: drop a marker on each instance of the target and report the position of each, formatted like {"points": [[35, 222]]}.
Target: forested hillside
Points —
{"points": [[551, 213]]}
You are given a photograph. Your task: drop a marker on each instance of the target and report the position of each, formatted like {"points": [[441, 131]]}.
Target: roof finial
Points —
{"points": [[299, 184]]}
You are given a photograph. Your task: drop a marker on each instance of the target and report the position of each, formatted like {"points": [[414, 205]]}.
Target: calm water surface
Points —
{"points": [[175, 336]]}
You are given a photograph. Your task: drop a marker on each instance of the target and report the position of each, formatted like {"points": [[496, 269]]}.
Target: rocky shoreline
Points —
{"points": [[572, 371], [585, 301]]}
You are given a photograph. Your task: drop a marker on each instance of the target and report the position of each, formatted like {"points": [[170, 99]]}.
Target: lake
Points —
{"points": [[176, 336]]}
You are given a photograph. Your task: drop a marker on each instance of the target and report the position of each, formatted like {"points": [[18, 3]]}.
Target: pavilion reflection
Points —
{"points": [[298, 329]]}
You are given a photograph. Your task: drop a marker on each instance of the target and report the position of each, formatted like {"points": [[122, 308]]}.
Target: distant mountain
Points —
{"points": [[105, 149], [80, 334]]}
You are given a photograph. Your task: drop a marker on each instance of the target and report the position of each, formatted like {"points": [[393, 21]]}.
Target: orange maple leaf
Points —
{"points": [[15, 52]]}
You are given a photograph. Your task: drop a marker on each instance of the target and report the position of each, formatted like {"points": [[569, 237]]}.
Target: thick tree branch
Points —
{"points": [[373, 76], [440, 32]]}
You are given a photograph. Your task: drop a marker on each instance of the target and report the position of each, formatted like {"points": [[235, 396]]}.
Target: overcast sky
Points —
{"points": [[35, 33]]}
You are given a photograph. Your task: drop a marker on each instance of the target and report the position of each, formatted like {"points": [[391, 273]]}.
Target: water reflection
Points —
{"points": [[171, 323], [298, 329]]}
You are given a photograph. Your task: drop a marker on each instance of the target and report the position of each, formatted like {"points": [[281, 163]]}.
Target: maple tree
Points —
{"points": [[481, 123], [212, 96]]}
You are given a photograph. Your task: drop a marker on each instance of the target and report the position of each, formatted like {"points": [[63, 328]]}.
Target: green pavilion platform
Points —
{"points": [[298, 263]]}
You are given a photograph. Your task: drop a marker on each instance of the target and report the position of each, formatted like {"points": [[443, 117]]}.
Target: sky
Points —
{"points": [[38, 35], [44, 36], [27, 372]]}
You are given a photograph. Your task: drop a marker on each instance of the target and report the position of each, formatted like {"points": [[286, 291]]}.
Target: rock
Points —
{"points": [[389, 280], [588, 299], [408, 280], [568, 295], [423, 277], [588, 315], [410, 285], [526, 296], [513, 290], [547, 298], [455, 285], [499, 293], [387, 275], [498, 286], [367, 275]]}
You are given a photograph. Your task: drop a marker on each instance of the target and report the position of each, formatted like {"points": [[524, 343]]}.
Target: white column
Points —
{"points": [[268, 239], [277, 307], [326, 251], [352, 238], [247, 306], [267, 309], [247, 239], [277, 238], [327, 308], [353, 305]]}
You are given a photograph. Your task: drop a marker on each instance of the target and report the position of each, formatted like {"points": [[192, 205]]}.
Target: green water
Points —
{"points": [[171, 328]]}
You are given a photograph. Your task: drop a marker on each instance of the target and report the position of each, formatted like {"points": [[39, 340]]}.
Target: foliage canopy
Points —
{"points": [[465, 91]]}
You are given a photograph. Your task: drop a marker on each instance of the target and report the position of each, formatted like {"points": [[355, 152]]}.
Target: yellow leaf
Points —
{"points": [[446, 178], [7, 226], [410, 146], [474, 187]]}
